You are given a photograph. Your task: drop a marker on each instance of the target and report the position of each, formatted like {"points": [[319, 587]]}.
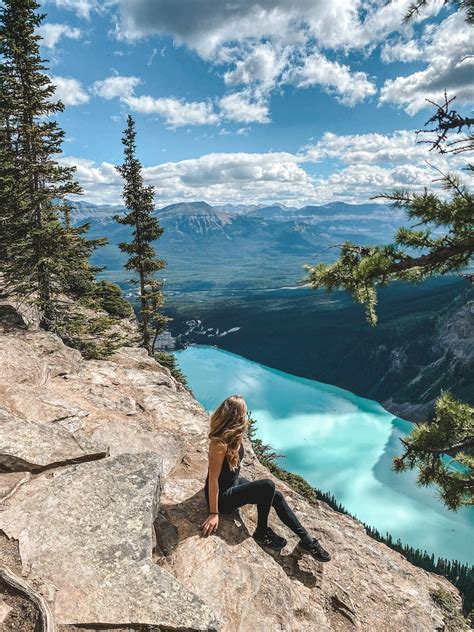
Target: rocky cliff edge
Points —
{"points": [[101, 498]]}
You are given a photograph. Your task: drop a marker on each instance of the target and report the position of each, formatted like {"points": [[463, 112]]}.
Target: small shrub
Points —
{"points": [[453, 618], [91, 336], [110, 297]]}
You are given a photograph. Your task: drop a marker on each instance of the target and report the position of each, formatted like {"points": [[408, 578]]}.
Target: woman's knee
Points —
{"points": [[268, 485], [277, 497]]}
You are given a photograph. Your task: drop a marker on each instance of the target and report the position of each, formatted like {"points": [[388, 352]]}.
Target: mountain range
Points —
{"points": [[223, 247]]}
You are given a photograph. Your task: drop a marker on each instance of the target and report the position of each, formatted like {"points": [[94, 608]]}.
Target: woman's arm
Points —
{"points": [[217, 454]]}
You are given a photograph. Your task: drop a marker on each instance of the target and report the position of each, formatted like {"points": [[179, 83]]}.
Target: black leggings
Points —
{"points": [[263, 494]]}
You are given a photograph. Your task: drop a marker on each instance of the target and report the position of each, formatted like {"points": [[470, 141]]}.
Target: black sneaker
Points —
{"points": [[315, 549], [270, 539]]}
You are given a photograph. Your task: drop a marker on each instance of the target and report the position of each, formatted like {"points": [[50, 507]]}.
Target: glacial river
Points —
{"points": [[339, 442]]}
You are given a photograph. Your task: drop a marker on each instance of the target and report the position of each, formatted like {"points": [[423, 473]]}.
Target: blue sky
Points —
{"points": [[301, 101]]}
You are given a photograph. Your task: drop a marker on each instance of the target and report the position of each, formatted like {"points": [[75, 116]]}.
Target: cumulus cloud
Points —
{"points": [[350, 87], [267, 66], [364, 165], [361, 182], [244, 107], [52, 33], [115, 87], [396, 148], [273, 42], [261, 65], [385, 150], [82, 8], [174, 111], [413, 91], [217, 177], [400, 50], [207, 25], [69, 91], [444, 48]]}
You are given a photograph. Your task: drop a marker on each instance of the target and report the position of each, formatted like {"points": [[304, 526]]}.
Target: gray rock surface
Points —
{"points": [[123, 438], [27, 445], [88, 531]]}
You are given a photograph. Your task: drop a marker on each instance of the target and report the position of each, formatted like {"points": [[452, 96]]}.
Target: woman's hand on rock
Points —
{"points": [[210, 524]]}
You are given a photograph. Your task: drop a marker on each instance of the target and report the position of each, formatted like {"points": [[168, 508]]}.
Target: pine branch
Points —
{"points": [[450, 450], [447, 120]]}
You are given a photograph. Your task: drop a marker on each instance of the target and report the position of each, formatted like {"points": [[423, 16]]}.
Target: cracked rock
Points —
{"points": [[27, 445], [89, 532]]}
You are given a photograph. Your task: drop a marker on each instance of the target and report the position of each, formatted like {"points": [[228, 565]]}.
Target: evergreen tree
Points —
{"points": [[40, 250], [142, 258], [361, 270]]}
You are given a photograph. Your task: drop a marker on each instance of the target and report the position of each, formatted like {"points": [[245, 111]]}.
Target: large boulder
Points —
{"points": [[86, 534]]}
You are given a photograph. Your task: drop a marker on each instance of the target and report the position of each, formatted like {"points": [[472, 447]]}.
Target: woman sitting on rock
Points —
{"points": [[225, 490]]}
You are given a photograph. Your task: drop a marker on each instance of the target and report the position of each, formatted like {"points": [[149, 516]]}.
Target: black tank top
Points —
{"points": [[227, 477]]}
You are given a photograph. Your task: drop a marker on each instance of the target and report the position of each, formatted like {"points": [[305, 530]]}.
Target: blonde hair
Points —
{"points": [[228, 424]]}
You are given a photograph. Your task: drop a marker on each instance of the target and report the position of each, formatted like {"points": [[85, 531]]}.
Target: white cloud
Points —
{"points": [[261, 65], [102, 183], [384, 18], [388, 151], [363, 166], [444, 48], [394, 149], [350, 87], [52, 32], [207, 25], [265, 67], [176, 113], [82, 8], [273, 42], [360, 182], [270, 43], [69, 91], [372, 164], [244, 107], [413, 91], [115, 87], [216, 177], [400, 50]]}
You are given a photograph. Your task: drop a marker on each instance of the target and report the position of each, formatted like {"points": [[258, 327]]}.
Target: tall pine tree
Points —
{"points": [[40, 250], [142, 259]]}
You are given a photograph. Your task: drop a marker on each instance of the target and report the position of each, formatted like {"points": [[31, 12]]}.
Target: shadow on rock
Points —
{"points": [[175, 523], [299, 566]]}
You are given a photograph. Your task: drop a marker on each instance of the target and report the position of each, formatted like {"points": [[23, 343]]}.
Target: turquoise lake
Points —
{"points": [[339, 442]]}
